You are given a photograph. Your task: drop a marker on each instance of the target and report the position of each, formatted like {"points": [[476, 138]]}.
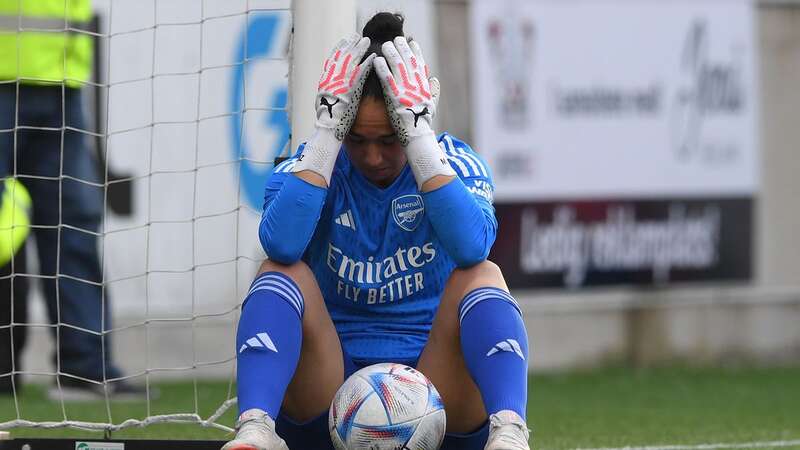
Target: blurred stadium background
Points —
{"points": [[645, 158]]}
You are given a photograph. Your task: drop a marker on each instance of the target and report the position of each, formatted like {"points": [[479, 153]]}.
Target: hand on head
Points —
{"points": [[411, 95], [402, 79], [341, 83]]}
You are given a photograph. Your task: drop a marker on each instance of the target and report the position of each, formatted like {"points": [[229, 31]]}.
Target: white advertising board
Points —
{"points": [[615, 98]]}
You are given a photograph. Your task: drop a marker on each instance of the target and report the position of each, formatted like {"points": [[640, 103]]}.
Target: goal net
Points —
{"points": [[186, 111]]}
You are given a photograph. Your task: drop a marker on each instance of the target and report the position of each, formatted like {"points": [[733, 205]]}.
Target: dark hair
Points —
{"points": [[382, 27]]}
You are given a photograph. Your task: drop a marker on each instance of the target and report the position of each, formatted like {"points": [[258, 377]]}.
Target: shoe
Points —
{"points": [[256, 431], [73, 390], [507, 431]]}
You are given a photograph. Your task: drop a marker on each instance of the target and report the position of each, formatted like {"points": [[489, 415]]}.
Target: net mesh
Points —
{"points": [[187, 109]]}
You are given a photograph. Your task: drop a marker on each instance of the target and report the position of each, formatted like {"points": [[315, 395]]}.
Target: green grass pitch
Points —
{"points": [[601, 408]]}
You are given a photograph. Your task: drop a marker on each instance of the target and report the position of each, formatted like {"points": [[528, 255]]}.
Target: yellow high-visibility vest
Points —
{"points": [[15, 218], [44, 41]]}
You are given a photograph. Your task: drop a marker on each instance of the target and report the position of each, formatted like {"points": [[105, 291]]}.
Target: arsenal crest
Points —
{"points": [[408, 211]]}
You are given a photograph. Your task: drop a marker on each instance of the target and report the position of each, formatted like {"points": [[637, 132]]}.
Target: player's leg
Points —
{"points": [[313, 432], [320, 370], [476, 354], [289, 355]]}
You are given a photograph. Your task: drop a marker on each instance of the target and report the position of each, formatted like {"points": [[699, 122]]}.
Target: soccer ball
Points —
{"points": [[387, 406]]}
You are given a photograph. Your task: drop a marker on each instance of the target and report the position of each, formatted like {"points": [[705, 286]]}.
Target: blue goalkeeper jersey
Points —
{"points": [[378, 261]]}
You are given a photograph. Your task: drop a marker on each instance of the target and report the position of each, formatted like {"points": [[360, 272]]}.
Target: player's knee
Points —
{"points": [[485, 273], [465, 280], [299, 272]]}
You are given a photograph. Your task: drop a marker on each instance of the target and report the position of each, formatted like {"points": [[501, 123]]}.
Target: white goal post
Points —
{"points": [[330, 21]]}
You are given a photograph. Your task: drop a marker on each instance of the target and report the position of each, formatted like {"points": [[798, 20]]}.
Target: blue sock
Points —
{"points": [[495, 348], [268, 342]]}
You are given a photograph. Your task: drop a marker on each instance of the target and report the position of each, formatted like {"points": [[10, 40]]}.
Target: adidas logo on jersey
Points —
{"points": [[261, 340], [508, 345], [345, 219]]}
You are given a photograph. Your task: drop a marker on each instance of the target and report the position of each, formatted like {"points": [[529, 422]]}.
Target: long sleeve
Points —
{"points": [[292, 209], [461, 211]]}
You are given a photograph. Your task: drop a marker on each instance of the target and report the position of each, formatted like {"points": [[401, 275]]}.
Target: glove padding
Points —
{"points": [[338, 96], [411, 97], [341, 84]]}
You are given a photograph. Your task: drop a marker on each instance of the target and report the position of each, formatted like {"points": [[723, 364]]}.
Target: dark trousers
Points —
{"points": [[42, 143], [13, 303]]}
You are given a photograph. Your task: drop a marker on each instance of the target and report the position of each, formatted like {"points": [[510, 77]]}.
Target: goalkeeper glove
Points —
{"points": [[411, 99], [338, 96]]}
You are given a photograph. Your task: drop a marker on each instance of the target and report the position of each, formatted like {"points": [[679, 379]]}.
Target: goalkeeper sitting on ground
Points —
{"points": [[377, 234]]}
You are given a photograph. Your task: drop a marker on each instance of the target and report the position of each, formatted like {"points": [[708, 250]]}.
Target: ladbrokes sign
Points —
{"points": [[596, 242]]}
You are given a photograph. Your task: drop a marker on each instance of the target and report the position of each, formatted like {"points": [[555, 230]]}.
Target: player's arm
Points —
{"points": [[461, 211], [294, 200], [292, 208], [412, 97]]}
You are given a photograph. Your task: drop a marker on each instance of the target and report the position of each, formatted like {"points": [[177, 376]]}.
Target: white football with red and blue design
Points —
{"points": [[387, 406]]}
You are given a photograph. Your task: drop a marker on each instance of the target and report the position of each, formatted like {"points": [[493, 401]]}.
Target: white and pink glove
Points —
{"points": [[411, 97], [338, 96]]}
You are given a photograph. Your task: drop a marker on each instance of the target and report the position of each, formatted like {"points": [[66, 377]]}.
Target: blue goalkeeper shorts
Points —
{"points": [[314, 434]]}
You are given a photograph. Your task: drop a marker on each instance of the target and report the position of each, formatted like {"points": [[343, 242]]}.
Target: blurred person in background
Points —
{"points": [[45, 58], [15, 212]]}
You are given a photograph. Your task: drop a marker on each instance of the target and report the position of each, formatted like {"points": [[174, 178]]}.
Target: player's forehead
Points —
{"points": [[372, 119]]}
